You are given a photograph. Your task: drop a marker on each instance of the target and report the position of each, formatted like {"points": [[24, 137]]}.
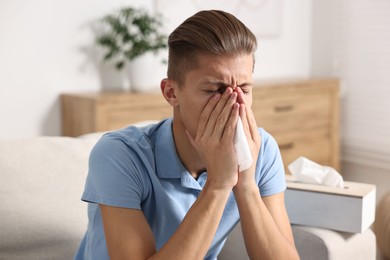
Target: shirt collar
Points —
{"points": [[168, 163]]}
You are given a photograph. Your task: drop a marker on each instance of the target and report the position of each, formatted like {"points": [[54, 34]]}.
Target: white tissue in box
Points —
{"points": [[307, 171], [244, 155], [348, 209]]}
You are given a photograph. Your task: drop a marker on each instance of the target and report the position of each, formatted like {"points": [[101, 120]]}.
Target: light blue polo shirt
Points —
{"points": [[139, 168]]}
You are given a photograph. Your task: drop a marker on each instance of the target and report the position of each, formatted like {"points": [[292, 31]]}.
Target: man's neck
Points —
{"points": [[186, 152]]}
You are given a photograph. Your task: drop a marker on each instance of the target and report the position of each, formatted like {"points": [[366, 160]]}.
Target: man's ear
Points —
{"points": [[169, 90]]}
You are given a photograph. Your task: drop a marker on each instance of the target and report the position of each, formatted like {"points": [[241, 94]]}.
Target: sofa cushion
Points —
{"points": [[42, 179], [313, 243]]}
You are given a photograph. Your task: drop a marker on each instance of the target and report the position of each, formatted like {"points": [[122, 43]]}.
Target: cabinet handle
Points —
{"points": [[283, 108], [286, 146]]}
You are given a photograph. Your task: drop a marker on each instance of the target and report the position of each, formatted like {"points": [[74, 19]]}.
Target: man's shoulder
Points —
{"points": [[266, 137], [269, 148], [137, 134]]}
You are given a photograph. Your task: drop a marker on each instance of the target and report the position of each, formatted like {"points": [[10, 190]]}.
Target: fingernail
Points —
{"points": [[217, 96], [227, 90]]}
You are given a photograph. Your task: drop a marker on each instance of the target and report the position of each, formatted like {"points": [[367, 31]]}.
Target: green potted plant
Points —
{"points": [[130, 34]]}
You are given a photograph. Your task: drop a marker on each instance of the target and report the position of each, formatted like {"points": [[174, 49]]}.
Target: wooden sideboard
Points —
{"points": [[302, 115], [94, 112]]}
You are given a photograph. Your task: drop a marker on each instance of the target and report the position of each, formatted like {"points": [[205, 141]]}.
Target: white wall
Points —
{"points": [[343, 46], [45, 50], [42, 56], [289, 54]]}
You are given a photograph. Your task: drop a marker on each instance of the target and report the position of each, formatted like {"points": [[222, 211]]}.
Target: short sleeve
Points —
{"points": [[271, 179], [115, 174]]}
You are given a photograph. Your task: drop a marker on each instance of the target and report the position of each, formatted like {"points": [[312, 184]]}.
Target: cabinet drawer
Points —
{"points": [[282, 113], [313, 144]]}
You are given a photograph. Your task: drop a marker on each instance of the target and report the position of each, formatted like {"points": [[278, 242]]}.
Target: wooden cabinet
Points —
{"points": [[95, 112], [302, 115]]}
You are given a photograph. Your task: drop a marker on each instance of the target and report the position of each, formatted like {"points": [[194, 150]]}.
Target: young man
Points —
{"points": [[172, 190]]}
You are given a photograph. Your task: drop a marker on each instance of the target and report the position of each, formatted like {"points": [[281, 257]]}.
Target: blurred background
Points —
{"points": [[48, 48]]}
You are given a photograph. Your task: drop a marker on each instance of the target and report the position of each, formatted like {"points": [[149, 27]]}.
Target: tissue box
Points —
{"points": [[348, 209]]}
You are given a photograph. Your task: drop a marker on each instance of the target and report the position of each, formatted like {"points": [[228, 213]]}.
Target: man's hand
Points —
{"points": [[246, 179], [214, 139], [264, 221]]}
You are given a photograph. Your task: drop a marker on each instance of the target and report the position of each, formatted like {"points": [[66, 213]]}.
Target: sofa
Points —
{"points": [[42, 216]]}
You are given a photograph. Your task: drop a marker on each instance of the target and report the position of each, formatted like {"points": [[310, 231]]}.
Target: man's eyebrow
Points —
{"points": [[217, 82], [226, 85], [246, 84], [222, 84]]}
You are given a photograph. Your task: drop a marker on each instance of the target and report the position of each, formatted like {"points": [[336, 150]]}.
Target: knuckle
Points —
{"points": [[230, 128], [221, 119]]}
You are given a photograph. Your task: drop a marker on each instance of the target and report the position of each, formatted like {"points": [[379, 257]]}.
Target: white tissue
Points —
{"points": [[244, 155], [307, 171]]}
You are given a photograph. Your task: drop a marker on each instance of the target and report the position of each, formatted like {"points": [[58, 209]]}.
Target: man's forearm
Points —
{"points": [[193, 238], [264, 239]]}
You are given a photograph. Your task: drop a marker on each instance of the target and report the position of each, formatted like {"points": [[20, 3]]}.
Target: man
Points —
{"points": [[172, 190]]}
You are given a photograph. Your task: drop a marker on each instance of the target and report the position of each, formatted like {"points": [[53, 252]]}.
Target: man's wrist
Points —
{"points": [[246, 190], [217, 186], [223, 181]]}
